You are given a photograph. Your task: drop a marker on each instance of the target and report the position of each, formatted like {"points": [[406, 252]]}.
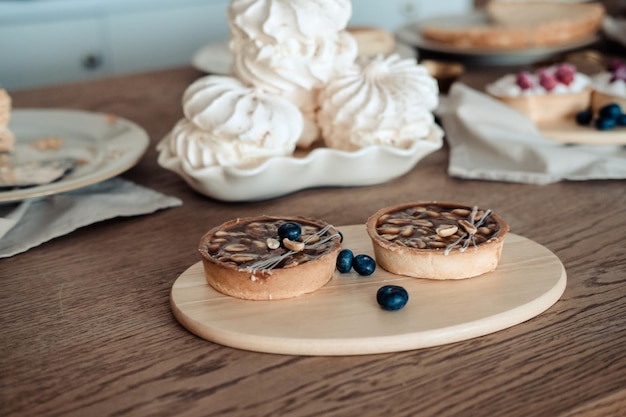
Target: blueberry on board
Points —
{"points": [[605, 123], [610, 111], [344, 260], [584, 117], [289, 230], [364, 264], [392, 297], [621, 120]]}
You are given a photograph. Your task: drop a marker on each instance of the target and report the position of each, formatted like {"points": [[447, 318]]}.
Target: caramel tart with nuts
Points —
{"points": [[437, 240], [247, 258]]}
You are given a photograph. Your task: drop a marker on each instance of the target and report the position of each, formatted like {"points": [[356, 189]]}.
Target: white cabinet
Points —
{"points": [[40, 46], [52, 52], [145, 40], [46, 42]]}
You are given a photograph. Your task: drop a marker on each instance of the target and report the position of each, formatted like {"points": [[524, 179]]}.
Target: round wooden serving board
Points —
{"points": [[568, 131], [343, 318]]}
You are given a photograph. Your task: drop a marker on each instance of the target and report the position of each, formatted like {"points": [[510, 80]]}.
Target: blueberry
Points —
{"points": [[392, 297], [610, 111], [344, 260], [621, 120], [364, 264], [289, 230], [584, 117], [605, 123]]}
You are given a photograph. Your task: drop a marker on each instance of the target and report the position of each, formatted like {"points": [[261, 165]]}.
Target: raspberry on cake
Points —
{"points": [[270, 258], [548, 94], [437, 240]]}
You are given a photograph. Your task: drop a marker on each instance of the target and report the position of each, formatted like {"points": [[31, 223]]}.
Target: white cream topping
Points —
{"points": [[506, 86], [279, 21], [379, 101], [602, 83]]}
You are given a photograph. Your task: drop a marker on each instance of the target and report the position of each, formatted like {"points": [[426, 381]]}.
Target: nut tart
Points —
{"points": [[244, 258], [437, 240]]}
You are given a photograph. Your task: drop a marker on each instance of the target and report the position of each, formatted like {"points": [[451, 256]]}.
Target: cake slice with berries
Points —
{"points": [[547, 94]]}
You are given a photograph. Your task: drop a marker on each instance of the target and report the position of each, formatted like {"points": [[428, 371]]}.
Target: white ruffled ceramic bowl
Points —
{"points": [[321, 167]]}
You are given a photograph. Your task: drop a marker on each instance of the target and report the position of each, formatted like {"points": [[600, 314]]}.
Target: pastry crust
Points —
{"points": [[443, 257], [600, 99], [542, 108], [522, 25], [298, 273], [372, 41]]}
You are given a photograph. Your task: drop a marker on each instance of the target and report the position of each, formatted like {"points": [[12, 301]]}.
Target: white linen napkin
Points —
{"points": [[490, 141], [35, 221]]}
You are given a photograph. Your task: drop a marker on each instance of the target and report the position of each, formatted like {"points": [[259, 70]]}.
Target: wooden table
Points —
{"points": [[87, 328]]}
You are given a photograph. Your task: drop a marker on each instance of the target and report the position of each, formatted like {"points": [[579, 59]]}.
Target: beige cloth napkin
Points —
{"points": [[490, 141], [33, 222]]}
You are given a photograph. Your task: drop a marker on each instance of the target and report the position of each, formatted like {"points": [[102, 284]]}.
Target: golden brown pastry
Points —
{"points": [[247, 258], [437, 240], [516, 25]]}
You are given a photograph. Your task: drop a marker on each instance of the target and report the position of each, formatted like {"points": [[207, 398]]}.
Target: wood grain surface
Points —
{"points": [[87, 328]]}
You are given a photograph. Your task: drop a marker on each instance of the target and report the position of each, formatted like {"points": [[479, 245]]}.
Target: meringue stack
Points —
{"points": [[292, 48], [296, 79]]}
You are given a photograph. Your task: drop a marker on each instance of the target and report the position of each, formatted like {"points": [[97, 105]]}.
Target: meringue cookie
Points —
{"points": [[189, 144], [230, 110], [230, 124], [198, 149], [293, 64], [381, 101], [279, 21]]}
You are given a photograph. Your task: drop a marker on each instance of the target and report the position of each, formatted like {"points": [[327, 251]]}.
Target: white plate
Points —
{"points": [[320, 167], [105, 146], [410, 34], [215, 58]]}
